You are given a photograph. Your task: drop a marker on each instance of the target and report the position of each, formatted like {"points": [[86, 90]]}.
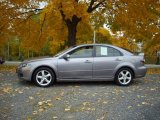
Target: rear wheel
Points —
{"points": [[43, 77], [124, 77]]}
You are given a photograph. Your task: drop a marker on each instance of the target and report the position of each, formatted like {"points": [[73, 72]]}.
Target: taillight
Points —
{"points": [[143, 61]]}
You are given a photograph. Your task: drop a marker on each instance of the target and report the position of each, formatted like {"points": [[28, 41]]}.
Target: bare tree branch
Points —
{"points": [[92, 8]]}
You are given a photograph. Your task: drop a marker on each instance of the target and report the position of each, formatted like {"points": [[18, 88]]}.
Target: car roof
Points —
{"points": [[93, 44], [124, 52], [96, 44]]}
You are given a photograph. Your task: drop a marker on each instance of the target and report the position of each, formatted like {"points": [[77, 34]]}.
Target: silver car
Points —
{"points": [[89, 62]]}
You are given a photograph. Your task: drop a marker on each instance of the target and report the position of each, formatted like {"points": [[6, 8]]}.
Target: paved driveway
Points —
{"points": [[79, 101]]}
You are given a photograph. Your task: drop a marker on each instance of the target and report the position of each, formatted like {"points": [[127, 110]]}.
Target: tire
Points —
{"points": [[124, 77], [44, 77]]}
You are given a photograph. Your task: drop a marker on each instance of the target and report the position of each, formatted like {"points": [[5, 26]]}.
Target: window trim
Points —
{"points": [[79, 48], [121, 54]]}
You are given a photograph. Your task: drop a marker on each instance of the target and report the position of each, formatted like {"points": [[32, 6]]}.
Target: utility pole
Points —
{"points": [[94, 37], [18, 43], [8, 49], [28, 53]]}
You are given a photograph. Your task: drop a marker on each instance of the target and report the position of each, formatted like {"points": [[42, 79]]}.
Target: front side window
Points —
{"points": [[103, 51], [82, 52]]}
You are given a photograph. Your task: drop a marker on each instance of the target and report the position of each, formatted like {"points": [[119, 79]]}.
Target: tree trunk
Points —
{"points": [[72, 23], [72, 30], [72, 34]]}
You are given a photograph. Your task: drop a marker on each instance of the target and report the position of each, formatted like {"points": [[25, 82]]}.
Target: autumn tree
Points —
{"points": [[69, 22], [137, 19], [58, 19], [5, 18], [71, 13]]}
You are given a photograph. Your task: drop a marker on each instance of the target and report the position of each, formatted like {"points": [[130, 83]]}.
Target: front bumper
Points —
{"points": [[24, 73]]}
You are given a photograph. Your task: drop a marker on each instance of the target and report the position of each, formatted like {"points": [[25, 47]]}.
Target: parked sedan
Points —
{"points": [[1, 60], [89, 62]]}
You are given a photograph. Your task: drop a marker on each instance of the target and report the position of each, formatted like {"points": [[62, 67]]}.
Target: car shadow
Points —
{"points": [[81, 83], [85, 83], [77, 83]]}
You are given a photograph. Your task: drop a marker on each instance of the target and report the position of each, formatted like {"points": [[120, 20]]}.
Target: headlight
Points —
{"points": [[25, 65]]}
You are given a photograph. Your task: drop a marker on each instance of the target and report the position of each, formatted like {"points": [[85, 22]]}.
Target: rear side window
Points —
{"points": [[105, 51]]}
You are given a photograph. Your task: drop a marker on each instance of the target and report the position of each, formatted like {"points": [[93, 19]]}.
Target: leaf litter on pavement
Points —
{"points": [[64, 96]]}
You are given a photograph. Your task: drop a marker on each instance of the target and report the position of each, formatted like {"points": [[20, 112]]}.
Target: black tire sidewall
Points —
{"points": [[116, 77], [47, 69]]}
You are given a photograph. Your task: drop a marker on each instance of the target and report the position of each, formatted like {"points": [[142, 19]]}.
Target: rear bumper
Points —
{"points": [[140, 72]]}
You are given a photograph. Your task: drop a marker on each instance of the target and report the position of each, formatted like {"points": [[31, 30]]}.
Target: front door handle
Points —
{"points": [[88, 61]]}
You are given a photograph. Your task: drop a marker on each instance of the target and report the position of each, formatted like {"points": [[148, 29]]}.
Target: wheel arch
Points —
{"points": [[128, 67], [41, 67]]}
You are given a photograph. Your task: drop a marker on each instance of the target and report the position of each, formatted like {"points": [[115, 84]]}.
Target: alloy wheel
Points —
{"points": [[43, 77], [124, 77]]}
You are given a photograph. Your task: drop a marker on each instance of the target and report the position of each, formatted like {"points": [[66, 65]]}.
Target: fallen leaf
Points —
{"points": [[145, 103], [31, 98], [34, 112], [48, 101], [68, 108], [129, 107], [28, 118], [7, 89], [138, 105], [58, 98], [105, 102], [41, 110], [86, 103], [55, 117], [20, 92], [50, 104], [40, 103], [152, 89]]}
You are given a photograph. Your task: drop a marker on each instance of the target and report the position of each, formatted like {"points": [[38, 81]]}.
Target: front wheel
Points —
{"points": [[124, 77], [43, 77]]}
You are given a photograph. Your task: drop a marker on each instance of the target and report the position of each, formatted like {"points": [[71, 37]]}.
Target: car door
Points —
{"points": [[105, 61], [78, 65]]}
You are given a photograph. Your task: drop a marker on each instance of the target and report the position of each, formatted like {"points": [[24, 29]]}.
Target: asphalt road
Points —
{"points": [[21, 100]]}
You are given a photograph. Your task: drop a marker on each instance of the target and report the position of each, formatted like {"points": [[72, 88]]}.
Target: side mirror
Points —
{"points": [[66, 57]]}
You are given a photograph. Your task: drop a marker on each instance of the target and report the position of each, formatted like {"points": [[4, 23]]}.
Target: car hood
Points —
{"points": [[39, 59]]}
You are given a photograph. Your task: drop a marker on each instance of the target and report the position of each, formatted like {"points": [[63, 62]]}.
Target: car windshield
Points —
{"points": [[63, 51]]}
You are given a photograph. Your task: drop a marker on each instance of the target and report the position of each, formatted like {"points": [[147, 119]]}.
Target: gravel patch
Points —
{"points": [[79, 100]]}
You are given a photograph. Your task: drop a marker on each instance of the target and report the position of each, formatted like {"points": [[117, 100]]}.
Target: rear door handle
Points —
{"points": [[88, 61]]}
